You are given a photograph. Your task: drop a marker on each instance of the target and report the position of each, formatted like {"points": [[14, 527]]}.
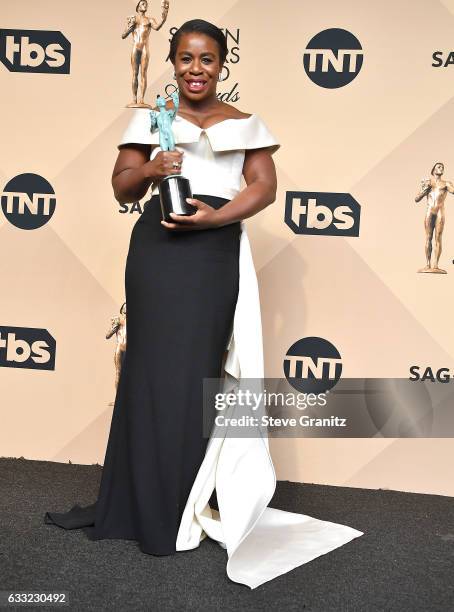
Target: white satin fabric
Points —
{"points": [[261, 542], [212, 157]]}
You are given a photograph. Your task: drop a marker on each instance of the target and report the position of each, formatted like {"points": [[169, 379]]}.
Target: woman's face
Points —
{"points": [[143, 5], [197, 66]]}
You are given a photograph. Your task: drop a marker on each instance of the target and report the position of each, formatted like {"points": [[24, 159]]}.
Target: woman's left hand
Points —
{"points": [[205, 217]]}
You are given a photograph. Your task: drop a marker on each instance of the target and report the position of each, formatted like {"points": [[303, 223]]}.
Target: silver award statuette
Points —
{"points": [[175, 188]]}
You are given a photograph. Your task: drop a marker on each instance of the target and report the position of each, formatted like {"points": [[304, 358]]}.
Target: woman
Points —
{"points": [[194, 313]]}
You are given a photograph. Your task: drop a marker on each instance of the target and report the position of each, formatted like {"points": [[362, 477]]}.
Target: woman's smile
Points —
{"points": [[195, 85]]}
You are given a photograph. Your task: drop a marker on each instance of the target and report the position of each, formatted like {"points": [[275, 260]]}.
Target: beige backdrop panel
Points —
{"points": [[375, 138]]}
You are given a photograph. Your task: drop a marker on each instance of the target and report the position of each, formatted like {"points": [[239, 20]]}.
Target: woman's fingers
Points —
{"points": [[175, 226], [171, 158], [191, 222]]}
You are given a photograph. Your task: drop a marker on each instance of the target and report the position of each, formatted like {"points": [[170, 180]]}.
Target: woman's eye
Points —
{"points": [[204, 59]]}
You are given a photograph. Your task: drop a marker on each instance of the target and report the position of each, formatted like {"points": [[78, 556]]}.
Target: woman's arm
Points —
{"points": [[134, 172], [259, 173]]}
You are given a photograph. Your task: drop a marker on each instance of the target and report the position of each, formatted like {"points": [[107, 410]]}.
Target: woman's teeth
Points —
{"points": [[196, 85]]}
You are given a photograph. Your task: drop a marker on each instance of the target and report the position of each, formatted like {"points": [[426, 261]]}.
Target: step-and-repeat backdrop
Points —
{"points": [[361, 98]]}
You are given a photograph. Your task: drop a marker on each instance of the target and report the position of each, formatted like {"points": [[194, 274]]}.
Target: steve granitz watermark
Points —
{"points": [[264, 409]]}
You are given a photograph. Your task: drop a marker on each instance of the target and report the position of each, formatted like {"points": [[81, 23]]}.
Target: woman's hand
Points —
{"points": [[205, 217], [162, 164]]}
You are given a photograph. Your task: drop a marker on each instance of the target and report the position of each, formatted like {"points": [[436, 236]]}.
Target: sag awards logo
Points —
{"points": [[27, 347], [333, 58], [312, 365], [442, 59], [324, 214], [231, 94], [35, 51], [420, 373], [134, 207], [28, 201]]}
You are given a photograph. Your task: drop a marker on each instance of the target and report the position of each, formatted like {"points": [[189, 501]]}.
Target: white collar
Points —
{"points": [[226, 135]]}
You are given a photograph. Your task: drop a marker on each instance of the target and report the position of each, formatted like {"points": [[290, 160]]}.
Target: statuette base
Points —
{"points": [[428, 270], [138, 105], [173, 191]]}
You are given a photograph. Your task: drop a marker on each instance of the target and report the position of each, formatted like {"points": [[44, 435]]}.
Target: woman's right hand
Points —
{"points": [[162, 164]]}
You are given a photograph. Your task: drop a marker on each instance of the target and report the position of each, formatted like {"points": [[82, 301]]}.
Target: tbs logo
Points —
{"points": [[327, 214], [28, 201], [27, 347], [35, 51], [312, 365], [333, 58]]}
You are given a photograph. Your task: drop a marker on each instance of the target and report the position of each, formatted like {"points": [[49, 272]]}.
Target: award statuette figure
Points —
{"points": [[118, 327], [435, 189], [139, 25], [175, 188]]}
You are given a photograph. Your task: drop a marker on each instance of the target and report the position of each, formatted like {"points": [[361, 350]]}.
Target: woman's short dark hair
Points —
{"points": [[137, 6], [204, 27]]}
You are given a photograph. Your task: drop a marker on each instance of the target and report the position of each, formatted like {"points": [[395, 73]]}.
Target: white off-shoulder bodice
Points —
{"points": [[213, 157]]}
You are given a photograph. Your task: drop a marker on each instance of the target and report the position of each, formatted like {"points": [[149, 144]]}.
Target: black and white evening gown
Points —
{"points": [[190, 296]]}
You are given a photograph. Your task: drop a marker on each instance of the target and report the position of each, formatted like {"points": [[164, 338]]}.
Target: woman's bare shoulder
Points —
{"points": [[231, 112], [234, 113]]}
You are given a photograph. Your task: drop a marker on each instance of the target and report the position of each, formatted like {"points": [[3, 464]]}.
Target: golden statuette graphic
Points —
{"points": [[140, 26], [118, 327], [435, 189]]}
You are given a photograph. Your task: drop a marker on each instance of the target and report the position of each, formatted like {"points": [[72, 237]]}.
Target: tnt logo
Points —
{"points": [[28, 201], [312, 365], [333, 58], [27, 347], [318, 213], [35, 51]]}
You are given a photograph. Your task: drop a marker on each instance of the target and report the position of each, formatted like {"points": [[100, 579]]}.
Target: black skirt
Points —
{"points": [[181, 292]]}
